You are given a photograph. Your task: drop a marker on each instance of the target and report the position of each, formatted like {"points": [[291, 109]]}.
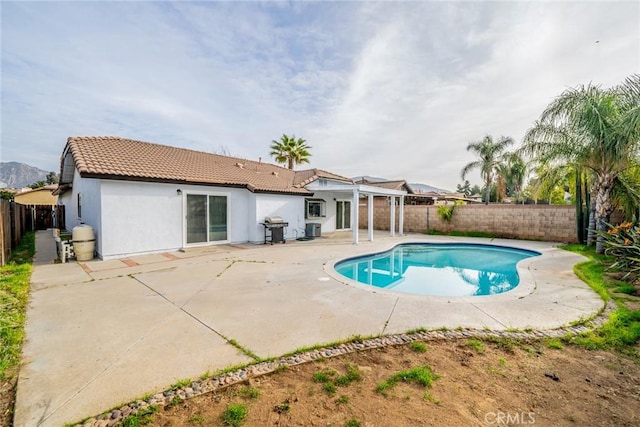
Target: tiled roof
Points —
{"points": [[121, 158], [305, 177], [393, 185]]}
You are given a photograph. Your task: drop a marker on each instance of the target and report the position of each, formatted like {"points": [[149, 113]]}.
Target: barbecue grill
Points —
{"points": [[274, 229]]}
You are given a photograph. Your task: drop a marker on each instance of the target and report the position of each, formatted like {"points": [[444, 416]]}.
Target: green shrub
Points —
{"points": [[623, 243], [445, 212], [234, 415]]}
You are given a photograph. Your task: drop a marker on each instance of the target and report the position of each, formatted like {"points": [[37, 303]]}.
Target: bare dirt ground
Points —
{"points": [[479, 384], [7, 397]]}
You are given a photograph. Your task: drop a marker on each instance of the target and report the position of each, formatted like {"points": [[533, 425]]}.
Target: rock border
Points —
{"points": [[202, 386]]}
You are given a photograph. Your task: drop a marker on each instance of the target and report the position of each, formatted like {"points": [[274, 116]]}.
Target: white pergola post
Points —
{"points": [[370, 216], [354, 218], [401, 219], [392, 219]]}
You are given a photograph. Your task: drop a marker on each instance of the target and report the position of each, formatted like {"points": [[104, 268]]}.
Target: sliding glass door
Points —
{"points": [[343, 215], [206, 218]]}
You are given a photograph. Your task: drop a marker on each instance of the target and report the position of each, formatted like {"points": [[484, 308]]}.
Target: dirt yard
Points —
{"points": [[478, 384]]}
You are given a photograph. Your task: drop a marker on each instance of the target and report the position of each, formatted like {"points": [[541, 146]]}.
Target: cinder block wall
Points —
{"points": [[552, 223]]}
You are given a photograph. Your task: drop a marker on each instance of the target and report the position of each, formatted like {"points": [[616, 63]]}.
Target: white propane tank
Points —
{"points": [[84, 242]]}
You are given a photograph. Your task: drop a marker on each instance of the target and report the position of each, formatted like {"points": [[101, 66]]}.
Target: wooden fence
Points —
{"points": [[17, 219]]}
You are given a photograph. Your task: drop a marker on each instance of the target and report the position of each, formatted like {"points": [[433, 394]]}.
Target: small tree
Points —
{"points": [[52, 178], [38, 184]]}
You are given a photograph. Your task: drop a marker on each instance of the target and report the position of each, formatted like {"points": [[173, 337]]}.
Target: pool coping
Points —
{"points": [[525, 286]]}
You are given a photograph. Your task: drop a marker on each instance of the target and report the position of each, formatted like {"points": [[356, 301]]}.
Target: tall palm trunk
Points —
{"points": [[487, 193], [604, 207], [592, 224], [579, 208]]}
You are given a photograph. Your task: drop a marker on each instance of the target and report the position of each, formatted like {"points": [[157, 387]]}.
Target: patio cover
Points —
{"points": [[356, 190]]}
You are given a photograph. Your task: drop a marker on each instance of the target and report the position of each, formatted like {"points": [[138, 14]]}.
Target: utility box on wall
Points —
{"points": [[312, 230]]}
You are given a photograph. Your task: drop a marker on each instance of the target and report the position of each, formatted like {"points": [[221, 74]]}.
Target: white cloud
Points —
{"points": [[387, 89]]}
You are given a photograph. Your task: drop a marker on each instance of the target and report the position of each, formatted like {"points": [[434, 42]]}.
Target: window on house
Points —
{"points": [[79, 205], [316, 208]]}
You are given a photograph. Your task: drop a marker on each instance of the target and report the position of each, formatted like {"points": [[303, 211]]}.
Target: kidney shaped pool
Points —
{"points": [[439, 269]]}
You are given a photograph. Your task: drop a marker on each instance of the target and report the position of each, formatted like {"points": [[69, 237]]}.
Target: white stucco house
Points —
{"points": [[142, 198]]}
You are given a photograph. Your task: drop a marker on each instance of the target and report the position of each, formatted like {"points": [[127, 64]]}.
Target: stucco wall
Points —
{"points": [[142, 217], [533, 222], [328, 223], [89, 190], [290, 208]]}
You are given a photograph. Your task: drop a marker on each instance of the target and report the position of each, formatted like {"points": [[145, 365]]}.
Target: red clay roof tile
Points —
{"points": [[121, 158]]}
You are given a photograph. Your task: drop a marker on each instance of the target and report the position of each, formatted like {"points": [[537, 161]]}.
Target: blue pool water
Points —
{"points": [[439, 269]]}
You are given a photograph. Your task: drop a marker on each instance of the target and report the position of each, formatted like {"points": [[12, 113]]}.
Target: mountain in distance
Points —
{"points": [[424, 188], [19, 175]]}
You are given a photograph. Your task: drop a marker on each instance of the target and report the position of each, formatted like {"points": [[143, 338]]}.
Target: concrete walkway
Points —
{"points": [[102, 333]]}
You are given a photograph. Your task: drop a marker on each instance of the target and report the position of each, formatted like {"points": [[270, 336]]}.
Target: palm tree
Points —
{"points": [[290, 150], [516, 172], [592, 128], [490, 155]]}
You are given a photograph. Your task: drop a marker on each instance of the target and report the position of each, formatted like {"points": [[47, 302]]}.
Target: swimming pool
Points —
{"points": [[439, 269]]}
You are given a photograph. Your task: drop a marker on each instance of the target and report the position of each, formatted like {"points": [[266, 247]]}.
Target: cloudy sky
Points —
{"points": [[390, 89]]}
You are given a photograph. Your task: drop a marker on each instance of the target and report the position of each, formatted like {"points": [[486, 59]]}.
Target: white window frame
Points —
{"points": [[323, 208], [184, 218]]}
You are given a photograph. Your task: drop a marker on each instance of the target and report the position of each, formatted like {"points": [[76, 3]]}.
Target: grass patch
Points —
{"points": [[622, 330], [142, 418], [244, 350], [592, 273], [234, 415], [329, 388], [621, 333], [324, 376], [175, 401], [342, 400], [197, 419], [477, 345], [418, 347], [353, 374], [353, 422], [181, 383], [351, 339], [14, 293], [626, 289], [249, 392], [422, 375], [504, 343], [331, 380], [555, 343]]}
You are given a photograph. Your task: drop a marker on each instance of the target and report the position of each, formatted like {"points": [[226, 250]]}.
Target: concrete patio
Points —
{"points": [[102, 333]]}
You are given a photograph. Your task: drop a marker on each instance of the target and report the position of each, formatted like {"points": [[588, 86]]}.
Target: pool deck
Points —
{"points": [[102, 333]]}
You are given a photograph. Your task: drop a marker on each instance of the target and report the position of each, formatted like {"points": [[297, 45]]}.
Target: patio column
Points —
{"points": [[354, 217], [392, 219], [370, 215], [401, 219]]}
